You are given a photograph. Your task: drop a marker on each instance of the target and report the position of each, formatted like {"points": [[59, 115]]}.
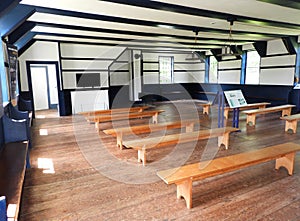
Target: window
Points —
{"points": [[213, 70], [252, 67], [166, 69]]}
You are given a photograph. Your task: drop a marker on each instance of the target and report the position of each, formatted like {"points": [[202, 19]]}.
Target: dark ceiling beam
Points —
{"points": [[20, 31], [205, 13], [24, 40], [148, 23], [127, 39], [7, 5], [146, 34], [291, 44], [26, 46], [261, 48]]}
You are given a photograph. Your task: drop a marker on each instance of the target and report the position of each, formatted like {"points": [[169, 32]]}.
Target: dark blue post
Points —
{"points": [[220, 109]]}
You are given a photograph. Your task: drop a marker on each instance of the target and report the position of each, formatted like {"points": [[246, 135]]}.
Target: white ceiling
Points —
{"points": [[162, 23]]}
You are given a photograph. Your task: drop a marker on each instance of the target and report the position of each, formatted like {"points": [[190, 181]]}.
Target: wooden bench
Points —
{"points": [[291, 122], [140, 129], [142, 145], [183, 177], [248, 106], [251, 114], [206, 107], [12, 172], [125, 116], [114, 111]]}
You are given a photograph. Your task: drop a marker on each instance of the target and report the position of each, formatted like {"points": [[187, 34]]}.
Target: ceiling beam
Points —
{"points": [[204, 13], [149, 23]]}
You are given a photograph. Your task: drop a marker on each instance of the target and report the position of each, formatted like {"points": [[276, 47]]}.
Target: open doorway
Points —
{"points": [[42, 80]]}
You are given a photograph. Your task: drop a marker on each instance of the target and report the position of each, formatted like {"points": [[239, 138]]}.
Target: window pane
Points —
{"points": [[165, 70], [252, 67]]}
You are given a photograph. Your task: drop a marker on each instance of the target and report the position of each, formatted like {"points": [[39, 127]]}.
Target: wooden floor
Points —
{"points": [[78, 186]]}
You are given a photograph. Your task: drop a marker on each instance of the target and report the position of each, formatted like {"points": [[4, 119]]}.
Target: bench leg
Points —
{"points": [[97, 126], [224, 139], [120, 141], [291, 125], [189, 127], [287, 161], [206, 110], [286, 112], [142, 156], [251, 119], [226, 113], [184, 189], [154, 118]]}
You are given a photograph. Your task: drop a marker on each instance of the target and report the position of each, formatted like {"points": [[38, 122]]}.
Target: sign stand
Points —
{"points": [[235, 100]]}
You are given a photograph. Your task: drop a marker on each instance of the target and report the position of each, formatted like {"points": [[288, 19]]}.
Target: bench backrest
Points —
{"points": [[269, 109], [226, 164]]}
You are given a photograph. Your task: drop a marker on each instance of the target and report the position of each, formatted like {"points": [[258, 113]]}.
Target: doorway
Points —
{"points": [[42, 80]]}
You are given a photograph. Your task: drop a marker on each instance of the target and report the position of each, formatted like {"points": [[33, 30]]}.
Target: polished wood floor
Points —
{"points": [[73, 177]]}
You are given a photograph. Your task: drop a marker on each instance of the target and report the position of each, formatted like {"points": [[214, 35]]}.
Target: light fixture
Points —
{"points": [[195, 55], [229, 48]]}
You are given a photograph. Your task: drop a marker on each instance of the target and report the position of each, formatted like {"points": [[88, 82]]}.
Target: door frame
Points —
{"points": [[42, 63]]}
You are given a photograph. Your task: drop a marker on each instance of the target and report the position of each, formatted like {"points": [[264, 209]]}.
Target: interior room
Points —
{"points": [[149, 110]]}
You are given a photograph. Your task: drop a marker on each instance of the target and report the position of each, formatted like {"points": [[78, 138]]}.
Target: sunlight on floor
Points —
{"points": [[46, 164], [11, 211], [43, 132], [40, 116]]}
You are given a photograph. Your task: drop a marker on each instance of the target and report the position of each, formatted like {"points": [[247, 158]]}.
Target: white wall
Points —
{"points": [[185, 71], [80, 58], [229, 72], [39, 51]]}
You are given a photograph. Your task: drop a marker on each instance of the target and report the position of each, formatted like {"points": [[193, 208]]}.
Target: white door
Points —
{"points": [[39, 87]]}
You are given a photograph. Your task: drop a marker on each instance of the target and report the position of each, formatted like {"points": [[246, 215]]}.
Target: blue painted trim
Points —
{"points": [[22, 42], [243, 68], [15, 18], [207, 67], [297, 72]]}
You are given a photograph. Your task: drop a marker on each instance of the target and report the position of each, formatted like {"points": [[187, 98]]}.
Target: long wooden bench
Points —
{"points": [[125, 116], [142, 145], [206, 107], [183, 177], [251, 114], [291, 122], [247, 107], [13, 158], [140, 129], [114, 111]]}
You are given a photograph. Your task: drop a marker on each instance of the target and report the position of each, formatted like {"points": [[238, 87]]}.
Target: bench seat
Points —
{"points": [[247, 107], [125, 116], [142, 145], [291, 122], [13, 158], [284, 154], [114, 110], [251, 114], [140, 129]]}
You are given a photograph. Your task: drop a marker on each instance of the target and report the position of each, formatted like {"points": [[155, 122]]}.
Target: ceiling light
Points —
{"points": [[230, 48]]}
